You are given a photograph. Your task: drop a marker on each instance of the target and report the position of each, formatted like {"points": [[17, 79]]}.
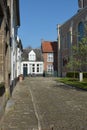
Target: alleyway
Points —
{"points": [[43, 104]]}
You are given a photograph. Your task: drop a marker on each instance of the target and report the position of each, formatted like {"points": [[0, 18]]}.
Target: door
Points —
{"points": [[25, 70]]}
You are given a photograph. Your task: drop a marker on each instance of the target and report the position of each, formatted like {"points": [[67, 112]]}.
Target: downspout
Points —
{"points": [[11, 41], [59, 52]]}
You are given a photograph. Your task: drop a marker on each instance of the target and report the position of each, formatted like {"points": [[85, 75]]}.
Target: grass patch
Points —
{"points": [[74, 82]]}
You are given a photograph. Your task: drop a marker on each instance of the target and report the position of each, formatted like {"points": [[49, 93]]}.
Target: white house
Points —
{"points": [[19, 58], [33, 64], [15, 23]]}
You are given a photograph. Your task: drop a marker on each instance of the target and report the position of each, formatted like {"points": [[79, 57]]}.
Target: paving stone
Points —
{"points": [[44, 104]]}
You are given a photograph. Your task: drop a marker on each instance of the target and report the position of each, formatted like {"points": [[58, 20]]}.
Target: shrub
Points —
{"points": [[85, 74], [72, 74], [75, 74]]}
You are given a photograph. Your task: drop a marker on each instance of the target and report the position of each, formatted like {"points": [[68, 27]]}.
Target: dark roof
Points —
{"points": [[37, 52]]}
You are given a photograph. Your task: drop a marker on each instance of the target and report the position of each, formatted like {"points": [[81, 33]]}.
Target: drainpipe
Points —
{"points": [[59, 52], [11, 41]]}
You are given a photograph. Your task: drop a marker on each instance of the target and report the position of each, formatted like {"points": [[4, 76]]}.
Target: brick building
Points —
{"points": [[49, 52], [68, 36]]}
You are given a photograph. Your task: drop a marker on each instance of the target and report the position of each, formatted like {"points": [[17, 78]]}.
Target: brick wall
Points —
{"points": [[46, 62], [64, 29]]}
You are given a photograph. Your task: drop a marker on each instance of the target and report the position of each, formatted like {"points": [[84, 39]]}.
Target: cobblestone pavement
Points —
{"points": [[20, 114], [43, 104]]}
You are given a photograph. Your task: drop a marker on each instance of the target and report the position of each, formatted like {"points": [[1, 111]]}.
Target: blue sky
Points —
{"points": [[39, 19]]}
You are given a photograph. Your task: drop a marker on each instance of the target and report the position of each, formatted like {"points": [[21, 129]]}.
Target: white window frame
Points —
{"points": [[50, 57], [50, 68], [32, 57]]}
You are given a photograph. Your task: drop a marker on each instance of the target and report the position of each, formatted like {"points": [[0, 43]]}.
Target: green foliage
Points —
{"points": [[85, 74], [72, 74], [74, 83], [78, 60], [75, 74]]}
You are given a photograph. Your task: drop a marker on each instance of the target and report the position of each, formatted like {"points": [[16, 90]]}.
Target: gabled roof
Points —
{"points": [[49, 46], [31, 52], [36, 51]]}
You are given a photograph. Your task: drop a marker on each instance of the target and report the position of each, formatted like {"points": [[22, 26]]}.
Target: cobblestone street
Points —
{"points": [[42, 104]]}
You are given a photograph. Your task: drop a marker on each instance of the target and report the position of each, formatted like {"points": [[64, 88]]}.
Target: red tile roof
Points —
{"points": [[48, 46]]}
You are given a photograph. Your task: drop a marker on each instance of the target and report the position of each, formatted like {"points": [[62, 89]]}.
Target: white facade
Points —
{"points": [[14, 29], [32, 56], [32, 66], [19, 53]]}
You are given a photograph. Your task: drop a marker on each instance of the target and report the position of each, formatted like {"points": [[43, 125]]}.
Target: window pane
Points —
{"points": [[80, 31], [50, 68], [50, 57]]}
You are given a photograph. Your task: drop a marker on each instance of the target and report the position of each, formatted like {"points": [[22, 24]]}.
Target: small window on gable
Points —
{"points": [[32, 56]]}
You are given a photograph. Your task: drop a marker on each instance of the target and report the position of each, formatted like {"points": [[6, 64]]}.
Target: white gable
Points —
{"points": [[32, 56], [31, 52]]}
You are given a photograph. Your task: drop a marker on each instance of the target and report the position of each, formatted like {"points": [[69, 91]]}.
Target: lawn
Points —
{"points": [[74, 82]]}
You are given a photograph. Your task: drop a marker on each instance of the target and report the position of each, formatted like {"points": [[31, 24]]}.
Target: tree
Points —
{"points": [[78, 60]]}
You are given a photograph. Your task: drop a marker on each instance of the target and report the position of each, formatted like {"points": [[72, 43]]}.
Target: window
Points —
{"points": [[32, 56], [65, 61], [50, 68], [50, 57], [33, 67], [68, 40], [37, 67], [80, 31], [41, 67], [24, 65]]}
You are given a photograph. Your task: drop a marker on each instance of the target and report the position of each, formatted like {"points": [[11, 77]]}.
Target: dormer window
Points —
{"points": [[32, 56]]}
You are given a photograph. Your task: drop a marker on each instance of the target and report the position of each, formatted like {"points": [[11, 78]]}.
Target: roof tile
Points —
{"points": [[48, 46]]}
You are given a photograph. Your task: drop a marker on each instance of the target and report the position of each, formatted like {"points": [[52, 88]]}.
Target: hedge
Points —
{"points": [[75, 74]]}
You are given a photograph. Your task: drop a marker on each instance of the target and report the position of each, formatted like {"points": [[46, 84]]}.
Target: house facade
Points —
{"points": [[69, 34], [32, 63], [15, 24], [50, 57], [5, 68], [9, 23], [19, 56]]}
